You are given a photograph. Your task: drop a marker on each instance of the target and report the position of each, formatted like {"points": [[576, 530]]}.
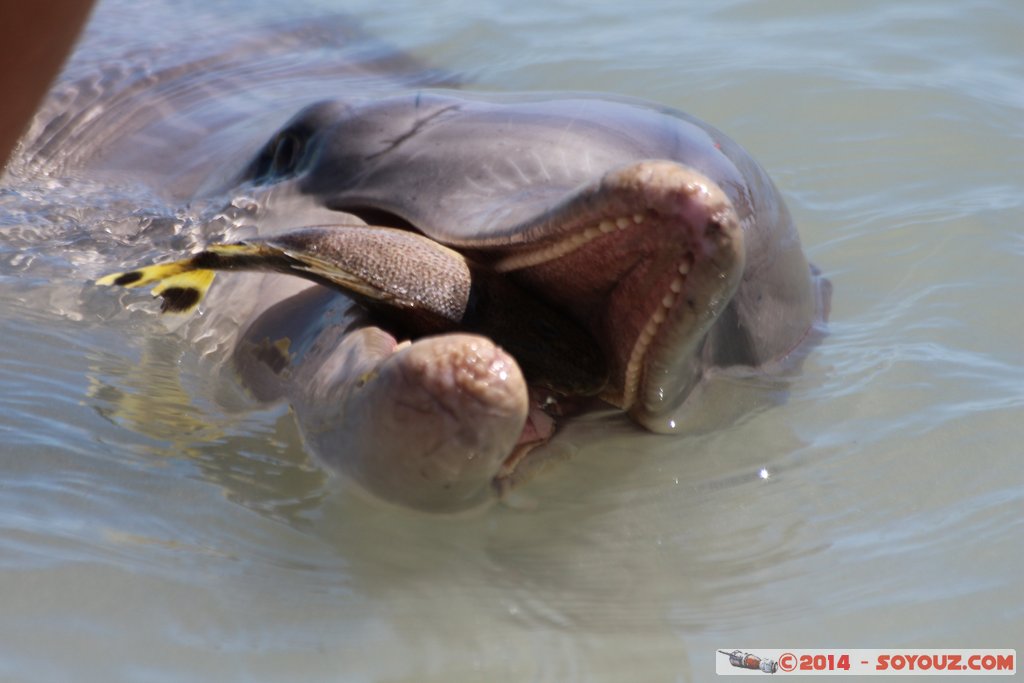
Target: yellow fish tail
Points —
{"points": [[181, 284]]}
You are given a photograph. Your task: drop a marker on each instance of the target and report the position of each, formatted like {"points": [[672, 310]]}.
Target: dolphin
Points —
{"points": [[643, 235]]}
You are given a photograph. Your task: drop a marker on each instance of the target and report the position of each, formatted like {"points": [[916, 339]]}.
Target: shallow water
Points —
{"points": [[152, 531]]}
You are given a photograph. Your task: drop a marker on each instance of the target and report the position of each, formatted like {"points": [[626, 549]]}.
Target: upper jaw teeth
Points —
{"points": [[568, 244]]}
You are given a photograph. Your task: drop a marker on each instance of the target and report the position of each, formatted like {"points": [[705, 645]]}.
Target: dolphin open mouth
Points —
{"points": [[645, 258]]}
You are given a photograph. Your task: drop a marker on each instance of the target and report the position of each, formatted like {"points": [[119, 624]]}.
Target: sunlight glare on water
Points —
{"points": [[157, 530]]}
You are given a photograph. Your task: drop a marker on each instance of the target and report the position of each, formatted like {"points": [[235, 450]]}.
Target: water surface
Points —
{"points": [[154, 529]]}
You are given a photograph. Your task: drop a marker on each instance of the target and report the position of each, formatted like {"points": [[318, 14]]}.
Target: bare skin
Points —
{"points": [[35, 39]]}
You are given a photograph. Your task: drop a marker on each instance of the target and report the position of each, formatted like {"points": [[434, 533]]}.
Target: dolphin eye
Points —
{"points": [[279, 158]]}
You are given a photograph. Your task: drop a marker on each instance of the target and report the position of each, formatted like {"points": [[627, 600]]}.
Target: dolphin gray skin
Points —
{"points": [[654, 232]]}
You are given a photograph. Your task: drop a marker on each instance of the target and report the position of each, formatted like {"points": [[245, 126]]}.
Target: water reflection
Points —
{"points": [[254, 456]]}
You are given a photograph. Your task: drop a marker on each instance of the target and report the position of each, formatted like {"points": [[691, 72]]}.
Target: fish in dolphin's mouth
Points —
{"points": [[630, 274]]}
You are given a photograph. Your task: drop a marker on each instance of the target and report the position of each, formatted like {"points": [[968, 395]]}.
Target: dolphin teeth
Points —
{"points": [[638, 218], [634, 366], [606, 226], [623, 223]]}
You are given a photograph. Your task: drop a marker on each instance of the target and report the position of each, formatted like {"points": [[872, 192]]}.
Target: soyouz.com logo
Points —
{"points": [[932, 662]]}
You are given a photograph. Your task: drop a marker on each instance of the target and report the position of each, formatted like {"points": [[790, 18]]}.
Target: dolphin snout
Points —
{"points": [[426, 426]]}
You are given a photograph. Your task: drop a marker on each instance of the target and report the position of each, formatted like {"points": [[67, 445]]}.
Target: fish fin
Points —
{"points": [[182, 292]]}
